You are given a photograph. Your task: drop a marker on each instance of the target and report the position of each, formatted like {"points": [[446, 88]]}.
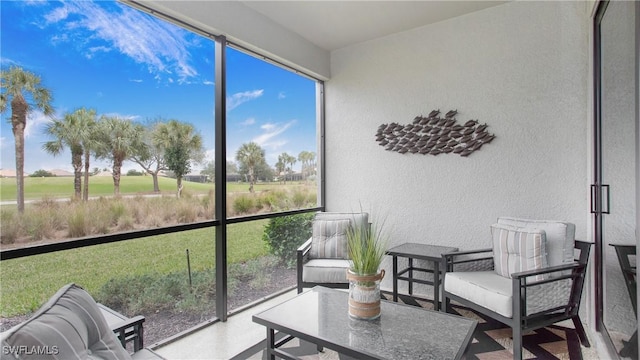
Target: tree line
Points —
{"points": [[156, 146]]}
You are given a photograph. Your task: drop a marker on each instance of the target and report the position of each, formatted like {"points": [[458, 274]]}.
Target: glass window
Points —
{"points": [[124, 140], [272, 147]]}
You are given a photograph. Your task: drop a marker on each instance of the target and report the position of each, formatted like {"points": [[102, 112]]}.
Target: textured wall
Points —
{"points": [[522, 68]]}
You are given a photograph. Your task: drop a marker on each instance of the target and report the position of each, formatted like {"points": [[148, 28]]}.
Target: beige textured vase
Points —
{"points": [[364, 295]]}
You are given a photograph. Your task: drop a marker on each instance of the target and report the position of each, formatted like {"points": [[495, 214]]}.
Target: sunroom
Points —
{"points": [[556, 83]]}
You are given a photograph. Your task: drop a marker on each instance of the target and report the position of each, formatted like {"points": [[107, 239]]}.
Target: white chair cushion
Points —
{"points": [[329, 239], [517, 249], [560, 237], [325, 271], [494, 292], [485, 288]]}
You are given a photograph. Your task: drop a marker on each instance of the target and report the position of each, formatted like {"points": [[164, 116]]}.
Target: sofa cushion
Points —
{"points": [[68, 326], [329, 239], [325, 271], [518, 249], [560, 237]]}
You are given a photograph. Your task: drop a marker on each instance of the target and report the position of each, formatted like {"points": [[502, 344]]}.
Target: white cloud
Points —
{"points": [[237, 99], [135, 80], [58, 14], [248, 122], [161, 46], [271, 131], [35, 120], [208, 82], [281, 95]]}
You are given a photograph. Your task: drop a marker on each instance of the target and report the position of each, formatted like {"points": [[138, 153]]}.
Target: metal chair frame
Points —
{"points": [[521, 322]]}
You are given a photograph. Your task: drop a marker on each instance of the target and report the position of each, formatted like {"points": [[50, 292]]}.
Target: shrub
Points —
{"points": [[11, 227], [77, 223], [154, 292], [42, 173], [299, 198], [285, 234], [41, 224], [243, 204]]}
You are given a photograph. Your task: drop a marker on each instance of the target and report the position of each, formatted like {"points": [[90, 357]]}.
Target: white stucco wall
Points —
{"points": [[521, 68]]}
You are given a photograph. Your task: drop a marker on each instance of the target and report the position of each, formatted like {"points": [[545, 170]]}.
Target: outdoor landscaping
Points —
{"points": [[170, 279]]}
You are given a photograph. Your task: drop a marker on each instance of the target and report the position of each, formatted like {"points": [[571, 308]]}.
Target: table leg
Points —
{"points": [[271, 343], [436, 285], [410, 276], [395, 278]]}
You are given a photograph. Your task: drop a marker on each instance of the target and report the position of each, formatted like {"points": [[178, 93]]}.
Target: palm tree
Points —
{"points": [[117, 138], [74, 131], [250, 155], [289, 159], [305, 157], [181, 144], [89, 143], [18, 86], [281, 166]]}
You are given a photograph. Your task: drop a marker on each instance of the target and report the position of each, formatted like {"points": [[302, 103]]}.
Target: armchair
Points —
{"points": [[529, 279], [323, 259], [71, 325]]}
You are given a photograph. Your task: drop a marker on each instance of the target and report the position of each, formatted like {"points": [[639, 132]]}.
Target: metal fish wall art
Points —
{"points": [[434, 135]]}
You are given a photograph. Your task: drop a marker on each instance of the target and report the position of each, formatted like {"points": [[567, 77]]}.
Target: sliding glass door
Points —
{"points": [[614, 189]]}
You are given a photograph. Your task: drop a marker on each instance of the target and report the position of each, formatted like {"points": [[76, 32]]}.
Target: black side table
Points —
{"points": [[426, 252]]}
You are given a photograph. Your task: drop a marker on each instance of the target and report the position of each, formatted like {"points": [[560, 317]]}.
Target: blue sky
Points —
{"points": [[120, 61]]}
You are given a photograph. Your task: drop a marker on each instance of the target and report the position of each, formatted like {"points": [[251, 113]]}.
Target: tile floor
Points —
{"points": [[222, 340]]}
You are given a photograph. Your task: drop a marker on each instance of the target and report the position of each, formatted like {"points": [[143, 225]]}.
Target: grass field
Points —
{"points": [[62, 187], [28, 282]]}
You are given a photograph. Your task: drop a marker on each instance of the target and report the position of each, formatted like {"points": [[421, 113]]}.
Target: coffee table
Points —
{"points": [[425, 252], [320, 316]]}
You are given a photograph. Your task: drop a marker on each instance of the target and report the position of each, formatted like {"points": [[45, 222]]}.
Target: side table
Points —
{"points": [[425, 252]]}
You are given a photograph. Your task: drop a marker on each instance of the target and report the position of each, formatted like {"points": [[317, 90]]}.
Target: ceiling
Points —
{"points": [[332, 25]]}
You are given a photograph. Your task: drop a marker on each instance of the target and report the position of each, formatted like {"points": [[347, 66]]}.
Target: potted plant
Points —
{"points": [[366, 246]]}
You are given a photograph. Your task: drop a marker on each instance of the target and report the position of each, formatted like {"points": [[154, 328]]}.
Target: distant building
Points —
{"points": [[60, 172], [196, 178], [7, 173]]}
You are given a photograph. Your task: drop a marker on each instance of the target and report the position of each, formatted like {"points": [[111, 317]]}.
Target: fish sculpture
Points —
{"points": [[434, 134]]}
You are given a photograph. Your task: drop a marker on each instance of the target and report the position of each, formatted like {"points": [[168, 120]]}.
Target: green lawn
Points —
{"points": [[62, 187], [28, 282]]}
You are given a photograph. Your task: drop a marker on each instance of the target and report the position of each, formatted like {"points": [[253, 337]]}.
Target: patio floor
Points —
{"points": [[226, 340], [223, 340]]}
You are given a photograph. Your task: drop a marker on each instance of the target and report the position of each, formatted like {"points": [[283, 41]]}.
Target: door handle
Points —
{"points": [[607, 202], [594, 196]]}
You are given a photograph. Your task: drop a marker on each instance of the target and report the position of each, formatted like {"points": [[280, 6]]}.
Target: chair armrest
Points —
{"points": [[471, 263], [304, 248], [468, 252], [130, 330], [547, 270]]}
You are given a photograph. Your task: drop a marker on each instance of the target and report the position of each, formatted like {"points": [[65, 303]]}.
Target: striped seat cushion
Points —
{"points": [[518, 249], [69, 326]]}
